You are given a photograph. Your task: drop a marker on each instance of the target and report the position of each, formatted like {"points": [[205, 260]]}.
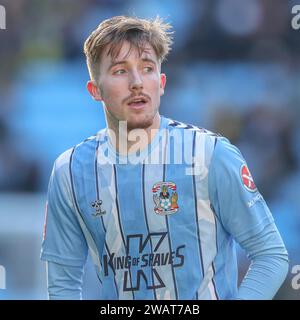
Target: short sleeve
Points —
{"points": [[235, 199], [63, 239]]}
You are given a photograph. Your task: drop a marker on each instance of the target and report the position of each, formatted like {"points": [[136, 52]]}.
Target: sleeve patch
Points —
{"points": [[247, 179]]}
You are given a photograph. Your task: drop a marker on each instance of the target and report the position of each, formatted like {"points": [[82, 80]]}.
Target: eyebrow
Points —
{"points": [[115, 63], [148, 60]]}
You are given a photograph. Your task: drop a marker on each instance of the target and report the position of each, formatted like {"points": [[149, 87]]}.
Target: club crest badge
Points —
{"points": [[165, 198]]}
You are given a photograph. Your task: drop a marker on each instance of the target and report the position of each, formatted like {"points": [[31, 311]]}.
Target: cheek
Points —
{"points": [[154, 84], [113, 91]]}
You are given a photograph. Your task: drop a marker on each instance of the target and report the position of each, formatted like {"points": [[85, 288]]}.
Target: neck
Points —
{"points": [[126, 140]]}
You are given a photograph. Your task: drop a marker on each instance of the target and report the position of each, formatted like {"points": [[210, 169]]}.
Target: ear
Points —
{"points": [[163, 80], [94, 90]]}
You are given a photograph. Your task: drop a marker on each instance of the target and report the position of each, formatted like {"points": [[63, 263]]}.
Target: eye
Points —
{"points": [[119, 71], [148, 69]]}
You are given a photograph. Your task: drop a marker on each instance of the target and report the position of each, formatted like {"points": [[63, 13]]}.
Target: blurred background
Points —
{"points": [[234, 69]]}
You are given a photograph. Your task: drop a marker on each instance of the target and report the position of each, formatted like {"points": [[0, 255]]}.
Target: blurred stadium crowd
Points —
{"points": [[234, 69]]}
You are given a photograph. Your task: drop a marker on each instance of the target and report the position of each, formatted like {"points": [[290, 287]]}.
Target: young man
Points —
{"points": [[158, 203]]}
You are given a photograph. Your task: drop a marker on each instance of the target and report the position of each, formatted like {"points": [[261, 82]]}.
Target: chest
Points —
{"points": [[122, 202]]}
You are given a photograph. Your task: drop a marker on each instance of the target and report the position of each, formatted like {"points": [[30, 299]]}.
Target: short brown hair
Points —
{"points": [[138, 32]]}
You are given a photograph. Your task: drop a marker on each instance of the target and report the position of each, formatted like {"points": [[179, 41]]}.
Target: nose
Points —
{"points": [[136, 83]]}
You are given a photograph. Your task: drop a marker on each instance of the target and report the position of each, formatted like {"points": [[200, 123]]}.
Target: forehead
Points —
{"points": [[127, 51]]}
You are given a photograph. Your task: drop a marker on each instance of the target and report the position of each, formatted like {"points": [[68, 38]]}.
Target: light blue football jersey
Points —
{"points": [[159, 225]]}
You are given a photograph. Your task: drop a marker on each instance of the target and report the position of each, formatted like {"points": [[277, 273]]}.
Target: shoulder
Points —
{"points": [[63, 161], [200, 139], [228, 167], [189, 130], [226, 154], [178, 125], [210, 148]]}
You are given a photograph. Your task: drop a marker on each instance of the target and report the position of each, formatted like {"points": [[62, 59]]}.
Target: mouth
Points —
{"points": [[137, 102]]}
